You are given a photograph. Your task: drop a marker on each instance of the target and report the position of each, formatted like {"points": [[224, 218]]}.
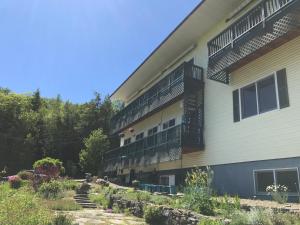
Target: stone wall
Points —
{"points": [[173, 216]]}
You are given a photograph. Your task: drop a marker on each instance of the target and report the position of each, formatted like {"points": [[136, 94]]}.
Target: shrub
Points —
{"points": [[153, 215], [279, 193], [286, 219], [198, 191], [21, 207], [83, 188], [25, 175], [254, 217], [61, 220], [143, 196], [69, 184], [198, 199], [210, 222], [52, 189], [48, 166], [227, 206], [15, 182]]}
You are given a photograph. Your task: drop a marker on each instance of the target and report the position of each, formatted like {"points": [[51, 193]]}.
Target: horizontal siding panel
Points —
{"points": [[271, 135]]}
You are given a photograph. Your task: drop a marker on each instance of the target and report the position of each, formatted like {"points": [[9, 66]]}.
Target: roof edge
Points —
{"points": [[158, 47]]}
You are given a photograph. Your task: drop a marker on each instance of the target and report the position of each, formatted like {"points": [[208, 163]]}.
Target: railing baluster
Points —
{"points": [[253, 18]]}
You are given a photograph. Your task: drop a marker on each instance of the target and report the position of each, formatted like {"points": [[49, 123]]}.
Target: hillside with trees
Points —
{"points": [[32, 127]]}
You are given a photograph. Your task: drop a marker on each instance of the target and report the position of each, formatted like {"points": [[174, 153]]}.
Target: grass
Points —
{"points": [[22, 207], [62, 205]]}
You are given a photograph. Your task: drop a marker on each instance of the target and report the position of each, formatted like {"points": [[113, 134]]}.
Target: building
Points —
{"points": [[223, 89]]}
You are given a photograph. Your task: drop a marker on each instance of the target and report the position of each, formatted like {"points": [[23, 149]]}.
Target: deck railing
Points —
{"points": [[161, 147], [258, 15], [160, 94]]}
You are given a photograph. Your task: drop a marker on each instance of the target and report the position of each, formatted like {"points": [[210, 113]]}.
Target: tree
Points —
{"points": [[91, 157]]}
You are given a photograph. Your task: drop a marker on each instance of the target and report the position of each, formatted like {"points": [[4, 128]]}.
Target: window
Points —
{"points": [[286, 177], [164, 180], [172, 123], [127, 141], [263, 180], [262, 96], [139, 136], [169, 124], [152, 131], [267, 94], [249, 104]]}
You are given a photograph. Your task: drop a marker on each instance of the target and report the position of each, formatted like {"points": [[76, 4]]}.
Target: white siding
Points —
{"points": [[271, 135]]}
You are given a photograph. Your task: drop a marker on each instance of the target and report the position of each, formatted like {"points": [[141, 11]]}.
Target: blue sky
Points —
{"points": [[76, 47]]}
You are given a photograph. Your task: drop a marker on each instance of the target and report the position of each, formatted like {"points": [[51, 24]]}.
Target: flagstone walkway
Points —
{"points": [[100, 217]]}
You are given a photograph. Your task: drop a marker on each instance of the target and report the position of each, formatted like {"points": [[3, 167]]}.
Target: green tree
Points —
{"points": [[91, 157]]}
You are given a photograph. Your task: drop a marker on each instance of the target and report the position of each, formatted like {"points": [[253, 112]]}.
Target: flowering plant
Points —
{"points": [[52, 168], [14, 181], [278, 192]]}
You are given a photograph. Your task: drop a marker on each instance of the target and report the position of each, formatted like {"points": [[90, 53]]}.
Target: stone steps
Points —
{"points": [[84, 201]]}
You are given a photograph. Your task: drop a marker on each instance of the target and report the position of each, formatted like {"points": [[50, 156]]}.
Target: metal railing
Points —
{"points": [[258, 15], [160, 147], [160, 94]]}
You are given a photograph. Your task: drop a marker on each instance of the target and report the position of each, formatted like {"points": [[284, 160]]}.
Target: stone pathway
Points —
{"points": [[101, 217]]}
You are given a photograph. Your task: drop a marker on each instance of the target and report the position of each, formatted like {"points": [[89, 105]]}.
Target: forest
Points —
{"points": [[33, 127]]}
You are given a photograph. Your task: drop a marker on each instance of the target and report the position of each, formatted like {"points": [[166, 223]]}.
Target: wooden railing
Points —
{"points": [[160, 94], [258, 15]]}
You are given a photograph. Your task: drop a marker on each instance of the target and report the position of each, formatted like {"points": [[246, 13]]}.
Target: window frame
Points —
{"points": [[255, 82], [274, 170]]}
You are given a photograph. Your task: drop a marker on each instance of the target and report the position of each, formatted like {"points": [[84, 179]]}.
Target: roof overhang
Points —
{"points": [[206, 15]]}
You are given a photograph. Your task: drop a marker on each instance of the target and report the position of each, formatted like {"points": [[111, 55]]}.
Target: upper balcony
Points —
{"points": [[165, 92], [265, 27]]}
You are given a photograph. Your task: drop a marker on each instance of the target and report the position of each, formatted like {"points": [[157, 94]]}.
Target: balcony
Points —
{"points": [[162, 94], [268, 25], [164, 146]]}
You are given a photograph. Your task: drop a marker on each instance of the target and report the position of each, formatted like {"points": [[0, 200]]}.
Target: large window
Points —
{"points": [[286, 177], [261, 96]]}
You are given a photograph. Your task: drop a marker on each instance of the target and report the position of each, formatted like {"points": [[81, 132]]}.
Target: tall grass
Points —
{"points": [[21, 207]]}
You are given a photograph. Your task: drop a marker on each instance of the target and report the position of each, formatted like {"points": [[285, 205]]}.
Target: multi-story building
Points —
{"points": [[223, 89]]}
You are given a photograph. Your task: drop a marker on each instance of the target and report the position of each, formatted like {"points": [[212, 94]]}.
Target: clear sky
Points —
{"points": [[76, 47]]}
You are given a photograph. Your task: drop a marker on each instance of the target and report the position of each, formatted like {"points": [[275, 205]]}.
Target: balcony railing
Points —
{"points": [[165, 91], [250, 26], [160, 147]]}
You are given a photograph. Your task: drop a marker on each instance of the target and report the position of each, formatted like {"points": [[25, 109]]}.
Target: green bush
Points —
{"points": [[198, 199], [25, 175], [103, 197], [226, 205], [69, 184], [21, 207], [153, 215], [50, 190], [49, 166], [62, 220], [210, 222], [198, 192], [254, 217]]}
